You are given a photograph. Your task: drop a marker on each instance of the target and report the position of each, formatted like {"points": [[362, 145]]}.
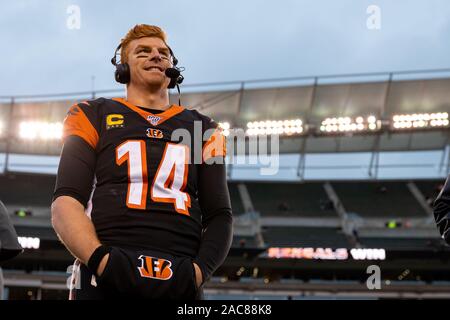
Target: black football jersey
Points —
{"points": [[145, 192]]}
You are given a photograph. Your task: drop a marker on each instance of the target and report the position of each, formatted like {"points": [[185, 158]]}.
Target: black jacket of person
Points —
{"points": [[9, 245]]}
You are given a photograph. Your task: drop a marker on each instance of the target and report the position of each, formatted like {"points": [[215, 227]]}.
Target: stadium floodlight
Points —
{"points": [[223, 279], [420, 120], [347, 124], [281, 127], [29, 242], [240, 271], [32, 130], [225, 128]]}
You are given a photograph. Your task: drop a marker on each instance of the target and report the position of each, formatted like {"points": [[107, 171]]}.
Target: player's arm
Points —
{"points": [[214, 199], [72, 192], [74, 185], [217, 219], [441, 211]]}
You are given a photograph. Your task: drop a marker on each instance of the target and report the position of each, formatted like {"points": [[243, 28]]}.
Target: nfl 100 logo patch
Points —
{"points": [[153, 119]]}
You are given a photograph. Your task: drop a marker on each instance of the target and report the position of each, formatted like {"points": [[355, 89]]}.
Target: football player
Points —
{"points": [[141, 199]]}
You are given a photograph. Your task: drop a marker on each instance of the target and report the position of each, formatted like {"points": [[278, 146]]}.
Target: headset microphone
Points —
{"points": [[172, 73], [175, 80]]}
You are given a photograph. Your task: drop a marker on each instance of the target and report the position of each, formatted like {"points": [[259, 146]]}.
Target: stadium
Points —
{"points": [[337, 139], [342, 202]]}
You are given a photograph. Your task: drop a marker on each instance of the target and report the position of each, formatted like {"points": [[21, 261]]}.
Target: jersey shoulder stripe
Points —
{"points": [[215, 141], [82, 120]]}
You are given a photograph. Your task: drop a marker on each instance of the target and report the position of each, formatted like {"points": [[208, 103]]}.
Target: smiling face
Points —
{"points": [[148, 58]]}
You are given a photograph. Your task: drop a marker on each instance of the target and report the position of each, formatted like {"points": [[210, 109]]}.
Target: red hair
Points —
{"points": [[137, 32]]}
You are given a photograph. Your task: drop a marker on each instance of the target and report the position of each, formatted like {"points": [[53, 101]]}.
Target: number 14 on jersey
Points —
{"points": [[170, 179]]}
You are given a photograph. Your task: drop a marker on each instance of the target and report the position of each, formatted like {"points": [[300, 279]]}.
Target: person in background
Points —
{"points": [[9, 245]]}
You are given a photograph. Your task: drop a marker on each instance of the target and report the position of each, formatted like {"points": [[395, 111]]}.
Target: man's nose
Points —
{"points": [[155, 55]]}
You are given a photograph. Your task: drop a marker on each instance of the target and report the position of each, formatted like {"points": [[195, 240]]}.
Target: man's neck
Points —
{"points": [[153, 99]]}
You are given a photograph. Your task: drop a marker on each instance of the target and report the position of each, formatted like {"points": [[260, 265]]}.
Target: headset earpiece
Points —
{"points": [[122, 72]]}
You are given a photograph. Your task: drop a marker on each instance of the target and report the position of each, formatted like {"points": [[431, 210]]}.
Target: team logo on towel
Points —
{"points": [[156, 268]]}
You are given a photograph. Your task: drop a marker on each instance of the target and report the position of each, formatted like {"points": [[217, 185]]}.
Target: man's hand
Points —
{"points": [[102, 265], [198, 275]]}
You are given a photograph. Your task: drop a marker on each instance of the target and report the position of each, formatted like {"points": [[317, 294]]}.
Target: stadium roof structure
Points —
{"points": [[315, 102], [311, 99]]}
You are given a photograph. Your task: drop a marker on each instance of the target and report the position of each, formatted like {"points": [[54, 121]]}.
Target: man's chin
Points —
{"points": [[154, 83]]}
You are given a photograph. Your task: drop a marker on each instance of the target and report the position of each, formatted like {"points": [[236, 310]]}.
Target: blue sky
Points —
{"points": [[219, 40]]}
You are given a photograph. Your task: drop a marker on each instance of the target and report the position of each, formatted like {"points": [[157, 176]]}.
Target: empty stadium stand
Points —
{"points": [[402, 243], [430, 188], [27, 189], [304, 237], [290, 199], [236, 202], [378, 199], [244, 242]]}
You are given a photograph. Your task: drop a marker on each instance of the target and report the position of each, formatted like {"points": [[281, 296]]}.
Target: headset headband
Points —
{"points": [[114, 58]]}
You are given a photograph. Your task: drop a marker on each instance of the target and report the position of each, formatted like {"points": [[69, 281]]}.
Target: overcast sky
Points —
{"points": [[219, 40]]}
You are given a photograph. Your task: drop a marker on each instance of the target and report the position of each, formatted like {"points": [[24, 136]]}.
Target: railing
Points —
{"points": [[299, 169], [315, 79]]}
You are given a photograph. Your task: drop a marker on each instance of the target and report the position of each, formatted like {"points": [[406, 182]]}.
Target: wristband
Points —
{"points": [[96, 258]]}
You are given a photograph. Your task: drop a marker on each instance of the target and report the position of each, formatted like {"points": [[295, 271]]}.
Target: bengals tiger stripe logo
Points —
{"points": [[154, 133], [156, 268]]}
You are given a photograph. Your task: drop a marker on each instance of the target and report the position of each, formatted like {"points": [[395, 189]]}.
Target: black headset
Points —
{"points": [[122, 73]]}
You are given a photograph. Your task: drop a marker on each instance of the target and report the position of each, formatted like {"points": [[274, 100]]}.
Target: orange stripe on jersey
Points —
{"points": [[163, 116], [168, 184], [77, 123], [215, 146]]}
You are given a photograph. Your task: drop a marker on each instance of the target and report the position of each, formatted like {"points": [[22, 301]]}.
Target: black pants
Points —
{"points": [[138, 274]]}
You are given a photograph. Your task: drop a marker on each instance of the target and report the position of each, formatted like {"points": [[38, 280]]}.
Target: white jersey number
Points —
{"points": [[170, 179]]}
